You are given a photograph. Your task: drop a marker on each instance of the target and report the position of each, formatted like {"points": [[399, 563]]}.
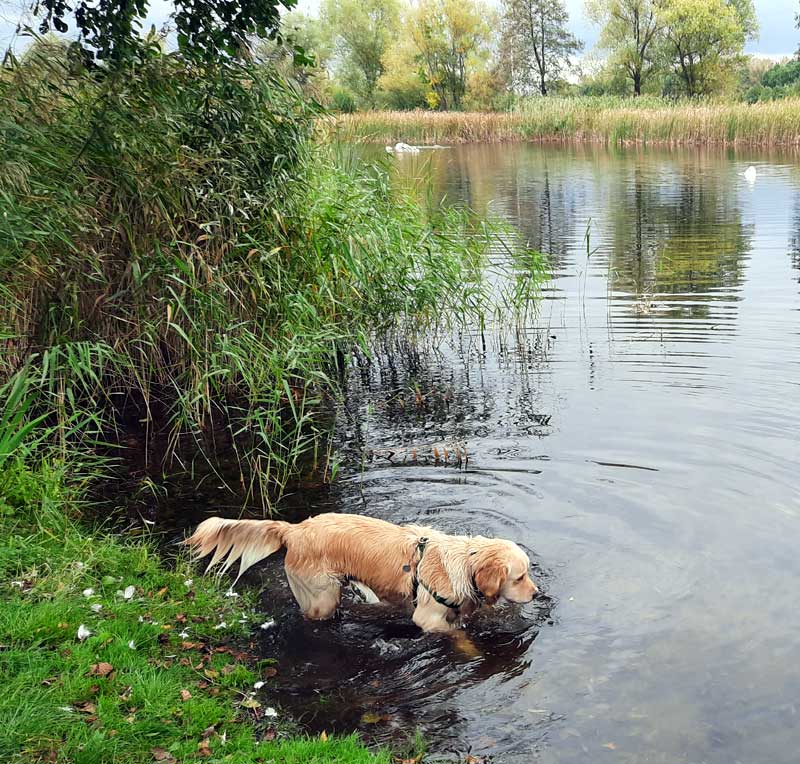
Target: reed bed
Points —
{"points": [[180, 252], [597, 120]]}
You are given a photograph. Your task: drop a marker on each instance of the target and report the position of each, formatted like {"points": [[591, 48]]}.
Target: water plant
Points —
{"points": [[607, 120]]}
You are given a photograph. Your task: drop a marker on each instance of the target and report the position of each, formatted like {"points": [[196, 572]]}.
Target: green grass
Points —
{"points": [[60, 704], [593, 119]]}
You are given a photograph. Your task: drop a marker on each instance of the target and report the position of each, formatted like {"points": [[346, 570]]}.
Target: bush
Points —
{"points": [[343, 101]]}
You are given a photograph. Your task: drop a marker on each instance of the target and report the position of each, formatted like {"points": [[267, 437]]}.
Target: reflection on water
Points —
{"points": [[640, 438]]}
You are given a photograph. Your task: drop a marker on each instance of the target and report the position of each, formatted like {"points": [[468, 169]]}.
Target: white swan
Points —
{"points": [[750, 174]]}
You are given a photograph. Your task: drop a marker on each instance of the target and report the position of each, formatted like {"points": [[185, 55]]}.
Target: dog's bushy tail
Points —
{"points": [[230, 540]]}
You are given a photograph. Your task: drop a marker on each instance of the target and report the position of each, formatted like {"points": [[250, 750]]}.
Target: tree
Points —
{"points": [[403, 84], [207, 31], [630, 31], [448, 36], [704, 39], [535, 33], [361, 32]]}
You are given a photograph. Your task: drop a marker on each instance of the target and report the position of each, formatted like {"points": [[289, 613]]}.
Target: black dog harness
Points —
{"points": [[416, 582]]}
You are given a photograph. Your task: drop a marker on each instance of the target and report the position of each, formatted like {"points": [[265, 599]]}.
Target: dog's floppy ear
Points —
{"points": [[489, 576]]}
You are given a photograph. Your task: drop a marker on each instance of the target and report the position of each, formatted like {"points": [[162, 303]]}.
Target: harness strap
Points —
{"points": [[416, 582]]}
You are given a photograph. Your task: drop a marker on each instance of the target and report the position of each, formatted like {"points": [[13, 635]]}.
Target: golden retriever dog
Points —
{"points": [[443, 577]]}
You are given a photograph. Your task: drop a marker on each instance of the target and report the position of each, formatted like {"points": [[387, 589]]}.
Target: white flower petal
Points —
{"points": [[88, 592], [270, 712], [96, 608], [267, 624], [129, 592], [83, 633], [132, 645], [222, 625], [258, 685]]}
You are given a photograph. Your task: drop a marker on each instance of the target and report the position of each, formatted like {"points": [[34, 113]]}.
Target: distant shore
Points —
{"points": [[601, 120]]}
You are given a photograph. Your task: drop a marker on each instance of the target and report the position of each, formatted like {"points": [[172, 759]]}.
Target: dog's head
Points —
{"points": [[501, 569]]}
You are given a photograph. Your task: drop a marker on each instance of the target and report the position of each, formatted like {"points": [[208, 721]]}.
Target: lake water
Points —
{"points": [[639, 437]]}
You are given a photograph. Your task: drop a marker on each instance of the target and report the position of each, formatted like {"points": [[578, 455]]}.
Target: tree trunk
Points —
{"points": [[637, 83]]}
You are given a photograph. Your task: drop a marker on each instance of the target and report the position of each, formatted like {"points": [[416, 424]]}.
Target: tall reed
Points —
{"points": [[177, 250], [600, 120]]}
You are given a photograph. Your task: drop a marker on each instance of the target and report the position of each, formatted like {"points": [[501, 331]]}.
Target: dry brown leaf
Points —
{"points": [[100, 669], [185, 695], [208, 732], [86, 707], [610, 746], [159, 754], [228, 668], [204, 749], [323, 736], [250, 703]]}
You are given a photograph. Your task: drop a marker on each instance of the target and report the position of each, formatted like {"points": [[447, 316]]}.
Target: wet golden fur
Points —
{"points": [[325, 551]]}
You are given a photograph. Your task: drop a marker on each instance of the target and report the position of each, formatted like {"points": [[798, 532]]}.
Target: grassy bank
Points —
{"points": [[110, 657], [600, 120]]}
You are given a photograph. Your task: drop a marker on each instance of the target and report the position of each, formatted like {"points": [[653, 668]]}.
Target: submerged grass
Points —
{"points": [[600, 120]]}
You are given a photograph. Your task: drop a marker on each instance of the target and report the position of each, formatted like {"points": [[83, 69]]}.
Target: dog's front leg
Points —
{"points": [[431, 616]]}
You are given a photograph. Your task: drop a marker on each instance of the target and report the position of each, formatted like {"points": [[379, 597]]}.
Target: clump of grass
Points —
{"points": [[600, 120], [175, 247]]}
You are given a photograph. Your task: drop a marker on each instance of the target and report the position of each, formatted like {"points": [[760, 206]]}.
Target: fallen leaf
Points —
{"points": [[323, 736], [250, 703], [185, 695], [100, 669], [270, 734], [86, 707], [129, 592], [159, 754], [610, 746], [269, 672], [370, 717], [47, 682], [204, 749], [208, 732], [161, 592]]}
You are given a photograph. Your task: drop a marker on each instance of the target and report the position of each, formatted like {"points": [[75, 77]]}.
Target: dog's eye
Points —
{"points": [[520, 578]]}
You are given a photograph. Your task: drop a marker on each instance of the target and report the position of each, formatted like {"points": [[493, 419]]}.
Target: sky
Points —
{"points": [[778, 36]]}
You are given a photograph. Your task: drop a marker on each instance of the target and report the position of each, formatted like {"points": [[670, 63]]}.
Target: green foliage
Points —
{"points": [[207, 31], [703, 39], [343, 101], [535, 32], [361, 32], [448, 35], [631, 33]]}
